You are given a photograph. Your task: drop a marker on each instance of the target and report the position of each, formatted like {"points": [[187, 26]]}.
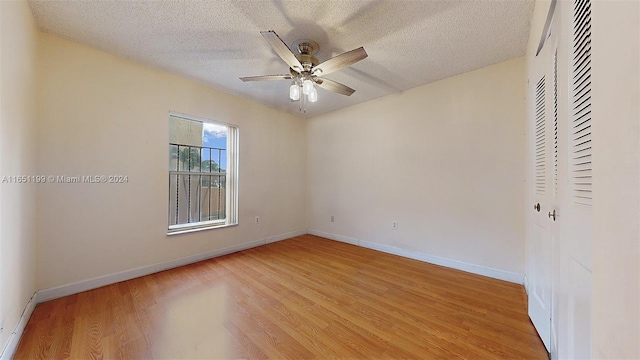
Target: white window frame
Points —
{"points": [[231, 182]]}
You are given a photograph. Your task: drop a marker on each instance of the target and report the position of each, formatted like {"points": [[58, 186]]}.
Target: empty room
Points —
{"points": [[322, 179]]}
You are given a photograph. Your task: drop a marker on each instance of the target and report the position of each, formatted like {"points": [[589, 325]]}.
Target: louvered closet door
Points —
{"points": [[575, 221], [543, 157]]}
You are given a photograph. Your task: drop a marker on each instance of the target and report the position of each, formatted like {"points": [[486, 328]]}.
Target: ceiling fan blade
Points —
{"points": [[341, 61], [282, 49], [335, 87], [266, 78]]}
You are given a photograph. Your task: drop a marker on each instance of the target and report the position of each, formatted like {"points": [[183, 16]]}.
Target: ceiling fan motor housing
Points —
{"points": [[306, 50]]}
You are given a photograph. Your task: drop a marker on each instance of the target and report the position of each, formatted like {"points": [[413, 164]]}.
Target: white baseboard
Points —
{"points": [[14, 338], [432, 259], [344, 239], [288, 235], [84, 285]]}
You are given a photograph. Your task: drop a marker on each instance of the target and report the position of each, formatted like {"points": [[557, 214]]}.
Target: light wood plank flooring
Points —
{"points": [[301, 298]]}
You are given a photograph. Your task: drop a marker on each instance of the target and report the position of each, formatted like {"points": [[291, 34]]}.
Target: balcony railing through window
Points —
{"points": [[197, 184]]}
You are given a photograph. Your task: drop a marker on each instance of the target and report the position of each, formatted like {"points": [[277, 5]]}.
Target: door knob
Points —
{"points": [[552, 215], [536, 207]]}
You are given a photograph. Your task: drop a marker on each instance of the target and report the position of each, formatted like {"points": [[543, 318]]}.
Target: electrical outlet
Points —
{"points": [[394, 225], [257, 219], [332, 218]]}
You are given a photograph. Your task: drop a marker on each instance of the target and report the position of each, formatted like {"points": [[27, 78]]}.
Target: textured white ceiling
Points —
{"points": [[410, 43]]}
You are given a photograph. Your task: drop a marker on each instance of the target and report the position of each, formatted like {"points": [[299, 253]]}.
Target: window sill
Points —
{"points": [[196, 229]]}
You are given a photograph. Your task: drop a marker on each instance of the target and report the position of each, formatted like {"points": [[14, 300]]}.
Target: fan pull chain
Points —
{"points": [[303, 105]]}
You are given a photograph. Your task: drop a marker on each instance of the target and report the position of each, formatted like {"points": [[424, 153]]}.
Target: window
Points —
{"points": [[203, 174]]}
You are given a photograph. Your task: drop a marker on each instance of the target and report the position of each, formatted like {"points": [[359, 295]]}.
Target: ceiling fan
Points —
{"points": [[305, 70]]}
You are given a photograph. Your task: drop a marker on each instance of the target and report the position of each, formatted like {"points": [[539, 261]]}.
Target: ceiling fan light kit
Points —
{"points": [[305, 69], [307, 86], [313, 95], [294, 91]]}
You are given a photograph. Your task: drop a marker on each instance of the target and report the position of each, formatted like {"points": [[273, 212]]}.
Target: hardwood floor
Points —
{"points": [[301, 298]]}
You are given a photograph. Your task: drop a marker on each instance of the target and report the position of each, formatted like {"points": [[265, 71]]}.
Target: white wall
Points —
{"points": [[18, 54], [103, 115], [616, 179], [445, 160]]}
